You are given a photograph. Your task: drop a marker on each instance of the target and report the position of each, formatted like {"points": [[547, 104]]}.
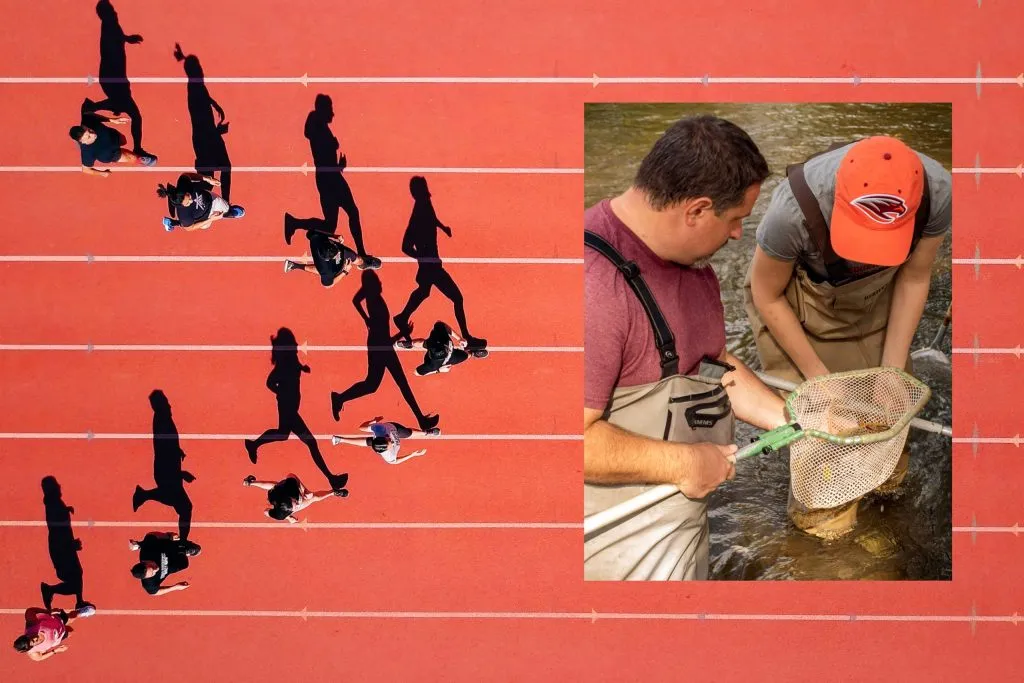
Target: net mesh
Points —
{"points": [[857, 424]]}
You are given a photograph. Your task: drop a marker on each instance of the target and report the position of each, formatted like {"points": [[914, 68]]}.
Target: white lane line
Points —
{"points": [[58, 436]]}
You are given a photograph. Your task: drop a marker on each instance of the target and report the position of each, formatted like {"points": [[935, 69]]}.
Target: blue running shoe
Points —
{"points": [[168, 226], [235, 212]]}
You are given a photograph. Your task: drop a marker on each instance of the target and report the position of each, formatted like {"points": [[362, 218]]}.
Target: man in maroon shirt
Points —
{"points": [[664, 413]]}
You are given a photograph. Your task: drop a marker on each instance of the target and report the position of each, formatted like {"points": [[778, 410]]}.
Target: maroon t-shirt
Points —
{"points": [[619, 348]]}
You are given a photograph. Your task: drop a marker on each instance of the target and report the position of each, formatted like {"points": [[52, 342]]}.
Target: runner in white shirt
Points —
{"points": [[386, 440]]}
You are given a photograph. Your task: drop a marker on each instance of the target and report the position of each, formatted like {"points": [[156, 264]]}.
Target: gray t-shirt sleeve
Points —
{"points": [[940, 182], [781, 234]]}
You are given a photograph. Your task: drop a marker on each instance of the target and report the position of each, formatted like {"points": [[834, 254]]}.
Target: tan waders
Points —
{"points": [[668, 541], [845, 324]]}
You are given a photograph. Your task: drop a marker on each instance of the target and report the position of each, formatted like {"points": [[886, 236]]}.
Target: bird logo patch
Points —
{"points": [[881, 208]]}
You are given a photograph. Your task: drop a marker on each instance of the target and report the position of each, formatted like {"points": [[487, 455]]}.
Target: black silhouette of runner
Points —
{"points": [[420, 243], [114, 73], [167, 472], [380, 353], [284, 381], [334, 190], [64, 549], [207, 135]]}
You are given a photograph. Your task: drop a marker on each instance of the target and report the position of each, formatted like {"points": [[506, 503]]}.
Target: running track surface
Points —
{"points": [[382, 598]]}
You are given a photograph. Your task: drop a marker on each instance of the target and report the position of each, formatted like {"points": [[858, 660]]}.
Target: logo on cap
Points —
{"points": [[881, 208]]}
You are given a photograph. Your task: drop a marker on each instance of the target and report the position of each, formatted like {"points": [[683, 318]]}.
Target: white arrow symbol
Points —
{"points": [[596, 80], [304, 80], [305, 168]]}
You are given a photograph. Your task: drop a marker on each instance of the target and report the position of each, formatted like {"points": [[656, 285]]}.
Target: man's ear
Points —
{"points": [[694, 209]]}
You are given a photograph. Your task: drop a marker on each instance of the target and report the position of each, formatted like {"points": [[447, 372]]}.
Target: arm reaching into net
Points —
{"points": [[769, 279], [614, 456], [752, 400], [908, 299]]}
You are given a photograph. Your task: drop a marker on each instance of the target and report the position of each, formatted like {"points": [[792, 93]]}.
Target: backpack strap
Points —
{"points": [[837, 268], [662, 333]]}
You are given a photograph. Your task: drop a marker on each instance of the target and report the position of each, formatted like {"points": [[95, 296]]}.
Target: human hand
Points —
{"points": [[134, 39], [222, 127], [709, 466], [213, 181], [891, 395], [342, 161], [119, 119], [447, 230]]}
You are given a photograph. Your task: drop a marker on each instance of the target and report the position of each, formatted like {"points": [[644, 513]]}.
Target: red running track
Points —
{"points": [[361, 598]]}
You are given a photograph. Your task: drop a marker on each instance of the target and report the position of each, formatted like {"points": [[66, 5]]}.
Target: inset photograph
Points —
{"points": [[768, 303]]}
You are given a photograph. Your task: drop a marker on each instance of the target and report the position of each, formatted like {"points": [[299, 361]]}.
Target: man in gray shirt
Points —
{"points": [[841, 272]]}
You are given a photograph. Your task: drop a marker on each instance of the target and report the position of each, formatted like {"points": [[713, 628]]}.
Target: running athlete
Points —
{"points": [[386, 440], [46, 631], [193, 206], [444, 348], [100, 143], [332, 260], [289, 496]]}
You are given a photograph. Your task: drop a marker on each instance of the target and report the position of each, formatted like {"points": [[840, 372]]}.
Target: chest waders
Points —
{"points": [[668, 541], [844, 316]]}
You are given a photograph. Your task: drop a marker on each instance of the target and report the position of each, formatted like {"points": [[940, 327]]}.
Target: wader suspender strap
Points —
{"points": [[662, 334], [818, 229]]}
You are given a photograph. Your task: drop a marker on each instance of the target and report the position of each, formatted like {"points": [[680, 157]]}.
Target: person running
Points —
{"points": [[46, 631], [192, 205], [160, 555], [332, 260], [444, 348], [288, 496], [284, 381], [386, 440], [99, 143]]}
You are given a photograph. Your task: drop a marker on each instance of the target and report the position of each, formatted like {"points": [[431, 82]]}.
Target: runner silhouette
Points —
{"points": [[284, 381], [207, 135], [114, 72], [420, 243], [167, 472], [381, 353]]}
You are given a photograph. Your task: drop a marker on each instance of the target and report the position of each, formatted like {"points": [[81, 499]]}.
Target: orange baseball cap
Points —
{"points": [[878, 192]]}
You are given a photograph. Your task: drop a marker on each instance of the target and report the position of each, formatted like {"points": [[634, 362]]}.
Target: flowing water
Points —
{"points": [[908, 536]]}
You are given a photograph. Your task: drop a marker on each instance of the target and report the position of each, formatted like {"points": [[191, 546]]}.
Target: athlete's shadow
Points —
{"points": [[420, 243], [329, 161], [167, 472], [114, 72], [284, 380], [381, 353], [207, 135], [63, 545]]}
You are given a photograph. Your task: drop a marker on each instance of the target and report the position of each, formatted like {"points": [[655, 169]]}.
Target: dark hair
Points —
{"points": [[76, 132], [701, 156], [23, 644], [139, 571], [172, 192], [279, 512], [379, 444]]}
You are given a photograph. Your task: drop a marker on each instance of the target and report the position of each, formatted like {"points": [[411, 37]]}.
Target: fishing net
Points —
{"points": [[855, 425]]}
